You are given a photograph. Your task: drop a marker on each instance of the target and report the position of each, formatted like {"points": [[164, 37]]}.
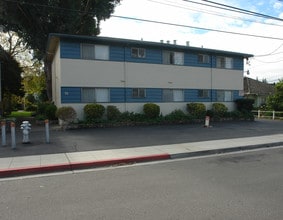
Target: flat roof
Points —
{"points": [[54, 39]]}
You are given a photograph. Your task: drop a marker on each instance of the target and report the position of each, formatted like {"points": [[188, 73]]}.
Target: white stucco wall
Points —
{"points": [[94, 73]]}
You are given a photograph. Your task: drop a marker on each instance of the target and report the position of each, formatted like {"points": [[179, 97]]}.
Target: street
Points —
{"points": [[246, 185]]}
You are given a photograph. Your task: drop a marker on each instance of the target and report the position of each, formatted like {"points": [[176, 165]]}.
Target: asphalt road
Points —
{"points": [[236, 186], [125, 137]]}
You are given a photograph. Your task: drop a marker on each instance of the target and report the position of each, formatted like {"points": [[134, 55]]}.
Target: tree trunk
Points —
{"points": [[48, 75]]}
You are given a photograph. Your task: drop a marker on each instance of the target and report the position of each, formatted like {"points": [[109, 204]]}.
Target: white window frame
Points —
{"points": [[138, 52], [138, 93]]}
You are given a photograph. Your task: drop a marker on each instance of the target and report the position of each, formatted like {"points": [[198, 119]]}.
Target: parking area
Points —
{"points": [[79, 140]]}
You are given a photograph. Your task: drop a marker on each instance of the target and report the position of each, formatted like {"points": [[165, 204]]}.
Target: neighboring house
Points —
{"points": [[259, 91], [130, 73]]}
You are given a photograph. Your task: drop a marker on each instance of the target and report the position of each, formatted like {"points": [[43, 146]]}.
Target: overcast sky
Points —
{"points": [[268, 50]]}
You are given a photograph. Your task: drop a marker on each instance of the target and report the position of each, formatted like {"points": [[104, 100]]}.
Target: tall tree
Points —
{"points": [[33, 20], [10, 79]]}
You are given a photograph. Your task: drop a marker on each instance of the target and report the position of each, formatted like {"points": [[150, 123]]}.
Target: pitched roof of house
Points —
{"points": [[255, 87]]}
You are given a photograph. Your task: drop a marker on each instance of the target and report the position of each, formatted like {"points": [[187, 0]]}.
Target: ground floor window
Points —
{"points": [[173, 95], [224, 96], [95, 95], [203, 93], [138, 93]]}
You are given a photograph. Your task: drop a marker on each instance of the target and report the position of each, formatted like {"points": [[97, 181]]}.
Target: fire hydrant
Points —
{"points": [[26, 127]]}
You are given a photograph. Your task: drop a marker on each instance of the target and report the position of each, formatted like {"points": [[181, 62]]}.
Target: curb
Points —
{"points": [[11, 172], [225, 150]]}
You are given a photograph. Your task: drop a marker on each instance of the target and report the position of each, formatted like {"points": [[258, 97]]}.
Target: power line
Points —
{"points": [[212, 12], [240, 10], [195, 27]]}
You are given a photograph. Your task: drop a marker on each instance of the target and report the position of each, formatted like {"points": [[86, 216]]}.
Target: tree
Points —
{"points": [[275, 102], [33, 20], [10, 80]]}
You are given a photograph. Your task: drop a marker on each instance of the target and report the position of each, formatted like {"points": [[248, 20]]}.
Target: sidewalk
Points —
{"points": [[68, 161]]}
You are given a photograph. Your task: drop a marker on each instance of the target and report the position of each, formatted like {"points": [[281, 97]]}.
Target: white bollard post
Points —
{"points": [[3, 130], [206, 124], [273, 115], [47, 131], [13, 135]]}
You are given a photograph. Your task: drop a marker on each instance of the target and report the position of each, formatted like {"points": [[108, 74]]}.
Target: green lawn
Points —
{"points": [[16, 114]]}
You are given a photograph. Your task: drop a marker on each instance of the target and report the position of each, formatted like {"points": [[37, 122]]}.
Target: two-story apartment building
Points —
{"points": [[129, 73]]}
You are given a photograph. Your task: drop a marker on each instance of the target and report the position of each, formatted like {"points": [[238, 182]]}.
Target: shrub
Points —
{"points": [[197, 110], [47, 109], [219, 109], [66, 113], [176, 115], [50, 111], [151, 110], [244, 104], [112, 112], [93, 111]]}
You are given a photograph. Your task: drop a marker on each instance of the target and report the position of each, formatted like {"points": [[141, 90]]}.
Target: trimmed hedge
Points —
{"points": [[219, 110], [151, 110], [93, 111], [112, 113], [197, 110]]}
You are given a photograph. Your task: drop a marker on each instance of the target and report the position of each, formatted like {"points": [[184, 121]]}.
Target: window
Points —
{"points": [[91, 51], [88, 51], [173, 95], [94, 95], [176, 58], [203, 93], [138, 52], [101, 52], [224, 62], [203, 58], [138, 93], [224, 96]]}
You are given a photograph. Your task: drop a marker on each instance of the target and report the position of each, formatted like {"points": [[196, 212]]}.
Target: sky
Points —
{"points": [[265, 40]]}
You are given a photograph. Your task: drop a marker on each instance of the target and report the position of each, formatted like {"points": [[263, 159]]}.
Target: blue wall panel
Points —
{"points": [[238, 63], [70, 94], [117, 95], [70, 50], [117, 53], [236, 95]]}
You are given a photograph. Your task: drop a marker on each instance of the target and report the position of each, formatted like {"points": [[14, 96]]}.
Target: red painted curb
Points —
{"points": [[80, 165]]}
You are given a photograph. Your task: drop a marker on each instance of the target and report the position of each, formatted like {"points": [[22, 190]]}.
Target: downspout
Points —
{"points": [[211, 92], [124, 80]]}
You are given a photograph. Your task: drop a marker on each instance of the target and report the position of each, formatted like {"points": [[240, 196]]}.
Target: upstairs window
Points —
{"points": [[91, 52], [138, 52], [138, 93], [224, 62], [174, 58], [203, 58]]}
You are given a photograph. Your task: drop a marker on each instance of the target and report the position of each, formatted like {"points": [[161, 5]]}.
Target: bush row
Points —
{"points": [[97, 113]]}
